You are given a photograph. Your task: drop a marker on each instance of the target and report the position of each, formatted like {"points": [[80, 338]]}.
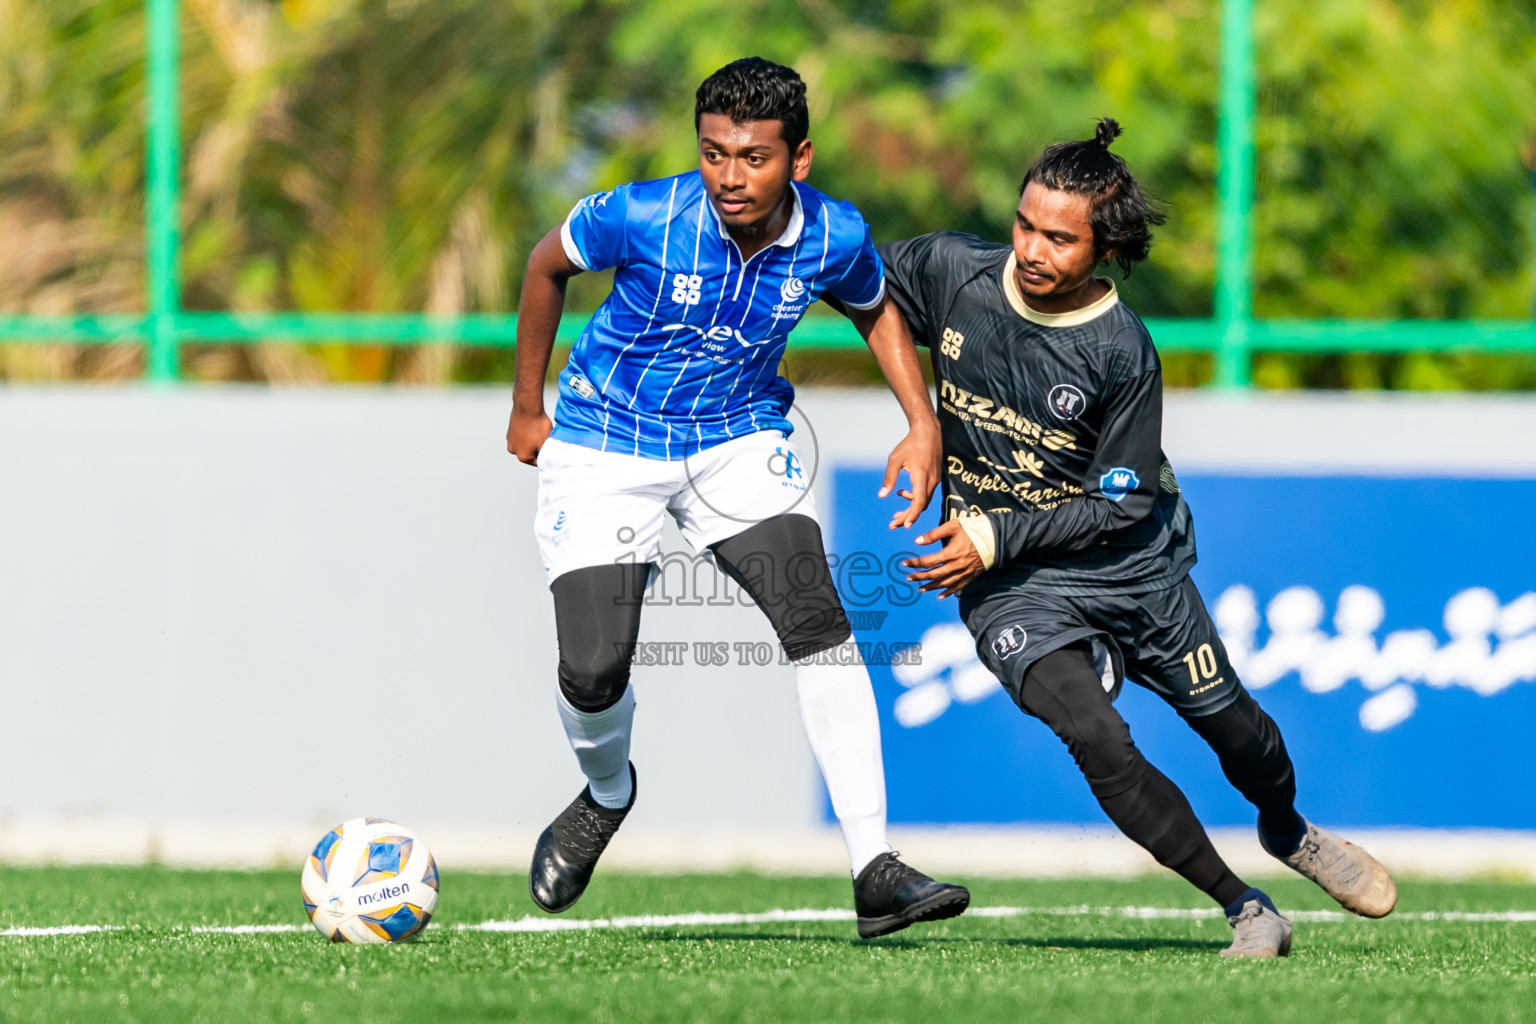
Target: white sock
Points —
{"points": [[837, 707], [601, 742]]}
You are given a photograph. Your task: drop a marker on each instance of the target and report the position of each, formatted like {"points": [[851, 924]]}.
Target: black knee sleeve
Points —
{"points": [[782, 565], [597, 619]]}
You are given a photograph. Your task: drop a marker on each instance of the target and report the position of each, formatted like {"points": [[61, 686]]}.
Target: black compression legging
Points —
{"points": [[1064, 691], [1254, 759]]}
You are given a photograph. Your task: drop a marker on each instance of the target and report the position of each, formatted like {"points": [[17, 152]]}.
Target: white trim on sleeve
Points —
{"points": [[568, 243], [872, 303]]}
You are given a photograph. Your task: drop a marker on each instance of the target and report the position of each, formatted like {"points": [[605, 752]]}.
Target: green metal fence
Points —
{"points": [[1232, 335]]}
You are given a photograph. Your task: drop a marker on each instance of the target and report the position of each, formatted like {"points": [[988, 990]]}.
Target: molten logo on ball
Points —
{"points": [[370, 880]]}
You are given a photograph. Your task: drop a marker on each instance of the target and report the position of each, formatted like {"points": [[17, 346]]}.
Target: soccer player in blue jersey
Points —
{"points": [[672, 404]]}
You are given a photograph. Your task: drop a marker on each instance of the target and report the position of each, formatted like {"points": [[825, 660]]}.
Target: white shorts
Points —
{"points": [[603, 508]]}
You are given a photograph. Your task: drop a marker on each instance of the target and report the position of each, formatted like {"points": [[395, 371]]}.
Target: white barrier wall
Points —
{"points": [[244, 605], [264, 605]]}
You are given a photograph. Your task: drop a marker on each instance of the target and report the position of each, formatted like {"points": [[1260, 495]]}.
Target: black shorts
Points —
{"points": [[1164, 640]]}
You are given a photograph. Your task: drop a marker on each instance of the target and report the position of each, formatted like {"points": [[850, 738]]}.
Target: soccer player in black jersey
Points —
{"points": [[1066, 536]]}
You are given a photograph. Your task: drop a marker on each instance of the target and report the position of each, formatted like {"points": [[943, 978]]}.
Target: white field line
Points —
{"points": [[552, 924], [63, 929], [549, 924], [555, 924]]}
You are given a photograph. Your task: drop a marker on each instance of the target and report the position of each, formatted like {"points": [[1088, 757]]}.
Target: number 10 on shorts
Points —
{"points": [[1202, 666]]}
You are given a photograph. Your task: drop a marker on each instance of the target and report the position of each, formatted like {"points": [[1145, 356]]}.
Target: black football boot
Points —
{"points": [[889, 895], [567, 852]]}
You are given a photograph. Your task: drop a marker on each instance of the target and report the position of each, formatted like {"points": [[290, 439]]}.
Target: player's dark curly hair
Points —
{"points": [[1121, 214], [754, 89]]}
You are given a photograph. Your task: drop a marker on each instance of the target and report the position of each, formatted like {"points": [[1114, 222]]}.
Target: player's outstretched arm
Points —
{"points": [[538, 318], [920, 453]]}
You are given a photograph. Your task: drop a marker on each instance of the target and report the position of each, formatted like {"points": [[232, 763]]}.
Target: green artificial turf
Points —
{"points": [[1046, 967]]}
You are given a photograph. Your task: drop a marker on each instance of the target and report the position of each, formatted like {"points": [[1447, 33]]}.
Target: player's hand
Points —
{"points": [[526, 434], [920, 454], [950, 568]]}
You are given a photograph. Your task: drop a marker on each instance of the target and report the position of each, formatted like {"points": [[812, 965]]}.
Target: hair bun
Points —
{"points": [[1107, 131]]}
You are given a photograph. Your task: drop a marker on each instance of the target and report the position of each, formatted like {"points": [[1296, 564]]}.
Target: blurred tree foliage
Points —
{"points": [[401, 155]]}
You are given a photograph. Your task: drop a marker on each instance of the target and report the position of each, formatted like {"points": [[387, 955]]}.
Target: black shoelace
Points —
{"points": [[888, 874]]}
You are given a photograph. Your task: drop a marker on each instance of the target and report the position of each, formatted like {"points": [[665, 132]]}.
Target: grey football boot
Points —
{"points": [[1342, 870], [1260, 930]]}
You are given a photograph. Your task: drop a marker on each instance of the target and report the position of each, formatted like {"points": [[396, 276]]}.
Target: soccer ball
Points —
{"points": [[370, 880]]}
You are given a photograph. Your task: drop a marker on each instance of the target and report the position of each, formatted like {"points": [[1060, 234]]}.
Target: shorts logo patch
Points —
{"points": [[1010, 641], [1067, 402], [582, 386], [786, 464], [1119, 482]]}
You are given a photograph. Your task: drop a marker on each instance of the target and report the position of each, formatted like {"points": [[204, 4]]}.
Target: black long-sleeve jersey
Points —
{"points": [[1052, 424]]}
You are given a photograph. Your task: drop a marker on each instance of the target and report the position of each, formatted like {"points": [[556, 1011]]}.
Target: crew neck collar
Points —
{"points": [[1071, 318]]}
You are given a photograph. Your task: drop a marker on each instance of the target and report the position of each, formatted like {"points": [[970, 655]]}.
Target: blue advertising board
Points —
{"points": [[1388, 626]]}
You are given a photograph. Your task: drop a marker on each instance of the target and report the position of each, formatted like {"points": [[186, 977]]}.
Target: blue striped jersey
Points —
{"points": [[684, 353]]}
